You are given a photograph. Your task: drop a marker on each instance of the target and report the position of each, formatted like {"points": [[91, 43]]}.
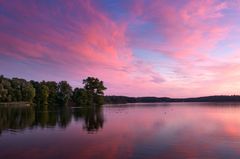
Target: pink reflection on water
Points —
{"points": [[174, 130]]}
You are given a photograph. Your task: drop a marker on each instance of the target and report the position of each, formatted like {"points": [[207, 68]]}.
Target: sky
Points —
{"points": [[178, 48]]}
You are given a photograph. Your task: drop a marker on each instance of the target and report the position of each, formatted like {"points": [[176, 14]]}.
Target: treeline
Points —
{"points": [[51, 93], [125, 99]]}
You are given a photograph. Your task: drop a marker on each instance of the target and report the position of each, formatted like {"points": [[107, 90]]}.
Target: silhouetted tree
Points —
{"points": [[53, 88], [94, 88], [44, 94], [28, 92], [5, 90], [17, 87], [16, 90], [64, 93], [37, 87], [80, 97], [47, 94]]}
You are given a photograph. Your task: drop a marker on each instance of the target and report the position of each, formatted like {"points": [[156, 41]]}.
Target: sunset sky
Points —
{"points": [[178, 48]]}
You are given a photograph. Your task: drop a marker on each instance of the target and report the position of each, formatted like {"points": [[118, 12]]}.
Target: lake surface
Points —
{"points": [[172, 130]]}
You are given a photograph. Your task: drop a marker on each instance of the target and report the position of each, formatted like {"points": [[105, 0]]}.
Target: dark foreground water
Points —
{"points": [[177, 130]]}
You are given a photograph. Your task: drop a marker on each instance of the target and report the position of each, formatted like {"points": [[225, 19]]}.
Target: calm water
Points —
{"points": [[177, 130]]}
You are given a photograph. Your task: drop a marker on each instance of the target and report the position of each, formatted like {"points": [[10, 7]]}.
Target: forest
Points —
{"points": [[50, 93], [125, 99]]}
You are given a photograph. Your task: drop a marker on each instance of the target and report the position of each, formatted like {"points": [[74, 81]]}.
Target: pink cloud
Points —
{"points": [[96, 47], [79, 39], [185, 29]]}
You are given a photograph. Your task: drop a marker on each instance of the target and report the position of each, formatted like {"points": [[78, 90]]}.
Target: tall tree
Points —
{"points": [[17, 89], [28, 92], [94, 88], [44, 94], [80, 97], [64, 93], [37, 87], [53, 88], [5, 90]]}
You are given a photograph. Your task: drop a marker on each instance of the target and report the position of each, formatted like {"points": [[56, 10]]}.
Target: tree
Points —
{"points": [[64, 93], [49, 93], [80, 97], [94, 85], [53, 88], [5, 87], [16, 84], [94, 88], [15, 89], [36, 85], [44, 94], [28, 92]]}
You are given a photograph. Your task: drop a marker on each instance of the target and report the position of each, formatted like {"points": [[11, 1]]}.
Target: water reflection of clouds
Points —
{"points": [[184, 131]]}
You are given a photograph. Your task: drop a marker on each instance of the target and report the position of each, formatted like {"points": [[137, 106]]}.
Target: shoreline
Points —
{"points": [[17, 104]]}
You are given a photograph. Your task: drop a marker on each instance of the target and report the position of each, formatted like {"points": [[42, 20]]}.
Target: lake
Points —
{"points": [[160, 130]]}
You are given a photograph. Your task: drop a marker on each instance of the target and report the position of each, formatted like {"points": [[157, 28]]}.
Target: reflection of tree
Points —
{"points": [[93, 119], [17, 118], [65, 116], [52, 117]]}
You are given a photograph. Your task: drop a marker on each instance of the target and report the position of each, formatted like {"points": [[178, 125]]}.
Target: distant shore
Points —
{"points": [[125, 99]]}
